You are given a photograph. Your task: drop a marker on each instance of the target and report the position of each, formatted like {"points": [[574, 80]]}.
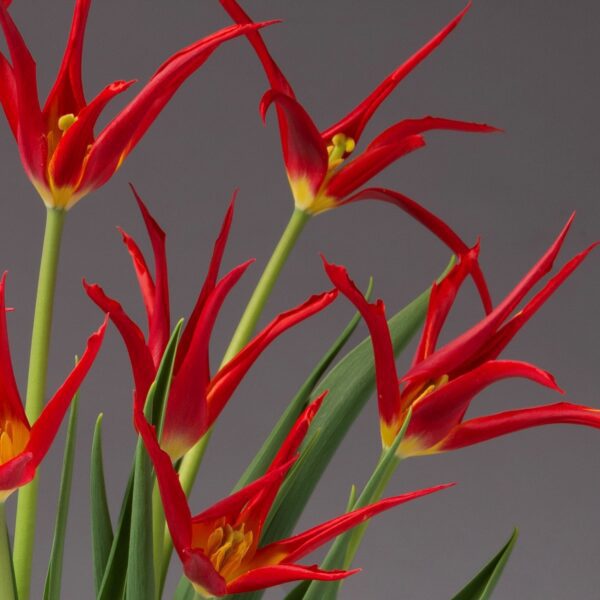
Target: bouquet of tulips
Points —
{"points": [[246, 542]]}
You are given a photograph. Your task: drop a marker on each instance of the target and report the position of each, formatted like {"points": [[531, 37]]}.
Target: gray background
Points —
{"points": [[528, 67]]}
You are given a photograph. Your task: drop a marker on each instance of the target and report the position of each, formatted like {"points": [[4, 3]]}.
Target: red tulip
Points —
{"points": [[319, 170], [220, 548], [59, 151], [441, 384], [23, 446], [197, 397]]}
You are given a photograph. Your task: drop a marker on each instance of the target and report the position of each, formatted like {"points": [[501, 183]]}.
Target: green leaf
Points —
{"points": [[343, 550], [102, 533], [350, 383], [269, 449], [184, 590], [54, 576], [483, 584]]}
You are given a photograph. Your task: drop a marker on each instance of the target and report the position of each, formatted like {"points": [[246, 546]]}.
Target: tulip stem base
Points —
{"points": [[36, 390], [6, 568]]}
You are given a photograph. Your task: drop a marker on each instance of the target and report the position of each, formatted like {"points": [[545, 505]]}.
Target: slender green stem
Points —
{"points": [[36, 390], [244, 331], [158, 528], [7, 587]]}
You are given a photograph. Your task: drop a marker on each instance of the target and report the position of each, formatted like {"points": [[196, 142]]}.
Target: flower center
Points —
{"points": [[227, 547], [66, 121], [14, 436], [341, 145]]}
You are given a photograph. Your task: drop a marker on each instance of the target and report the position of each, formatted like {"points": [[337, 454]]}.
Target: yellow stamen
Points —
{"points": [[227, 547], [66, 121], [14, 436]]}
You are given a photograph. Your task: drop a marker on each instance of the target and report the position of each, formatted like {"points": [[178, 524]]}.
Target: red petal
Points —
{"points": [[44, 430], [276, 78], [265, 577], [122, 134], [188, 417], [353, 124], [435, 415], [16, 472], [8, 94], [440, 229], [10, 401], [209, 284], [30, 131], [198, 568], [229, 376], [441, 300], [68, 158], [139, 354], [486, 428], [388, 392], [304, 152], [463, 348], [67, 94], [159, 319], [368, 164], [177, 511], [300, 545], [409, 127]]}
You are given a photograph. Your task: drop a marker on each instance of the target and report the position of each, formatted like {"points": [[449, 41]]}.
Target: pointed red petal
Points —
{"points": [[463, 348], [229, 376], [68, 158], [44, 430], [304, 152], [276, 78], [388, 392], [368, 164], [122, 134], [8, 94], [441, 300], [10, 401], [482, 429], [67, 94], [15, 473], [139, 354], [409, 127], [265, 577], [188, 416], [198, 569], [177, 511], [30, 131], [440, 411], [440, 229], [209, 283], [159, 319], [300, 545], [354, 123]]}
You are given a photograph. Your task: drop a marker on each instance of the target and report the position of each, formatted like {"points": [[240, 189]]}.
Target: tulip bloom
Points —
{"points": [[197, 397], [317, 162], [59, 152], [220, 548], [24, 446], [441, 384]]}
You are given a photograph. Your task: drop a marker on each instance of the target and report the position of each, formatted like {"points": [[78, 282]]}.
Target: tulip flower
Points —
{"points": [[318, 165], [23, 446], [60, 154], [441, 384], [196, 398], [220, 548]]}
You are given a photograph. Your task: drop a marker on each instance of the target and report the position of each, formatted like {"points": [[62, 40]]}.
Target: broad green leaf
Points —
{"points": [[184, 590], [269, 449], [483, 584], [350, 383], [54, 575], [343, 550]]}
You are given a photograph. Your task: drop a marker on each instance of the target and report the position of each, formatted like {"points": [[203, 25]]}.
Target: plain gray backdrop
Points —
{"points": [[528, 67]]}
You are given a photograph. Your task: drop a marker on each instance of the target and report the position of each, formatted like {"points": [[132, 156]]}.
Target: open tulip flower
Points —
{"points": [[58, 149], [23, 446], [441, 384], [196, 398], [317, 162], [220, 548]]}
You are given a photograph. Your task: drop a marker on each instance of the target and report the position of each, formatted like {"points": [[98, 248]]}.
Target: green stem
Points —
{"points": [[7, 589], [36, 390], [244, 331]]}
